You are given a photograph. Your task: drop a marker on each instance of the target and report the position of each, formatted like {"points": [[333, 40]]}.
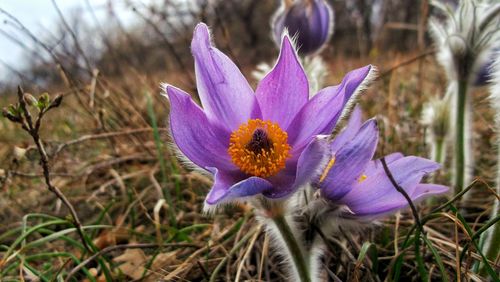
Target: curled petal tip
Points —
{"points": [[201, 36], [201, 29]]}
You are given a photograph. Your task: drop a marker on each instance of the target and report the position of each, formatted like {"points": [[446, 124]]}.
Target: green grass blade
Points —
{"points": [[161, 160], [369, 249]]}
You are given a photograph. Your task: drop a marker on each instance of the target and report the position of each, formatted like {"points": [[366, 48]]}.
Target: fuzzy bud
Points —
{"points": [[311, 21], [457, 44], [30, 99], [436, 116], [43, 101]]}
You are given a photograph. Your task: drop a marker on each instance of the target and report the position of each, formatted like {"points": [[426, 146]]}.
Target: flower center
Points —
{"points": [[259, 148]]}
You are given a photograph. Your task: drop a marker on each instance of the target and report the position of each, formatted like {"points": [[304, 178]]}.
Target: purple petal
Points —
{"points": [[376, 165], [421, 192], [424, 190], [350, 162], [376, 194], [308, 167], [201, 141], [285, 89], [349, 132], [320, 115], [229, 187], [225, 94]]}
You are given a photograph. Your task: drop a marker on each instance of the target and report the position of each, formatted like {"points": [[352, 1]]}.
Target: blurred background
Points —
{"points": [[154, 36]]}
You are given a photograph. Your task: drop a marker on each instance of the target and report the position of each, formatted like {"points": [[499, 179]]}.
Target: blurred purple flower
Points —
{"points": [[484, 74], [255, 143], [354, 181], [311, 21]]}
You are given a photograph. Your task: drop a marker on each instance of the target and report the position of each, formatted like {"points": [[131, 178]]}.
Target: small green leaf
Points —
{"points": [[369, 249], [43, 101]]}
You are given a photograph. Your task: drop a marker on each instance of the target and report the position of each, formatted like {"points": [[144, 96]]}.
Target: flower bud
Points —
{"points": [[436, 116], [310, 21], [43, 101], [29, 99]]}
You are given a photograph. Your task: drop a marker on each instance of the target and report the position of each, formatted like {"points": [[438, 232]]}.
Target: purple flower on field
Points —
{"points": [[261, 142], [360, 185], [311, 21]]}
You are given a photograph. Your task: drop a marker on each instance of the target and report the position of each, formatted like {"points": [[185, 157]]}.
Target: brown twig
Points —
{"points": [[103, 135], [407, 62], [33, 129], [168, 44]]}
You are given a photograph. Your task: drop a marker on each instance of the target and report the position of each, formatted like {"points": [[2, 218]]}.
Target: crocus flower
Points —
{"points": [[311, 21], [359, 186], [255, 143]]}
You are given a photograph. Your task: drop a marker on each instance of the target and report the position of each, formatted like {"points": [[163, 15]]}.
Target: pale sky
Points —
{"points": [[39, 16]]}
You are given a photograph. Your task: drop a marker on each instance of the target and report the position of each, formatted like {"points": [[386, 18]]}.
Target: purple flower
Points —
{"points": [[255, 143], [310, 20], [484, 73], [354, 181]]}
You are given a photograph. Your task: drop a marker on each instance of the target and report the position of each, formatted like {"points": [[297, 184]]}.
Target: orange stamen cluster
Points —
{"points": [[259, 148]]}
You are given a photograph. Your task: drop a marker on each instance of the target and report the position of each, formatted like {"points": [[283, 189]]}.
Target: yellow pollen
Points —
{"points": [[362, 178], [327, 169], [259, 148]]}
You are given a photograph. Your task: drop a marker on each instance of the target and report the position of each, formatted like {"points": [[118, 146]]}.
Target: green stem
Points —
{"points": [[161, 160], [439, 151], [460, 135], [294, 249]]}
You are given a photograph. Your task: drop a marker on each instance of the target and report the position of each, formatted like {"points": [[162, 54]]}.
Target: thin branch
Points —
{"points": [[33, 130], [407, 62], [73, 36], [101, 136]]}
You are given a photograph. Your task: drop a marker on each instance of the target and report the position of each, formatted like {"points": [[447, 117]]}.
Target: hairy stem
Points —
{"points": [[460, 142], [490, 240], [294, 249]]}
